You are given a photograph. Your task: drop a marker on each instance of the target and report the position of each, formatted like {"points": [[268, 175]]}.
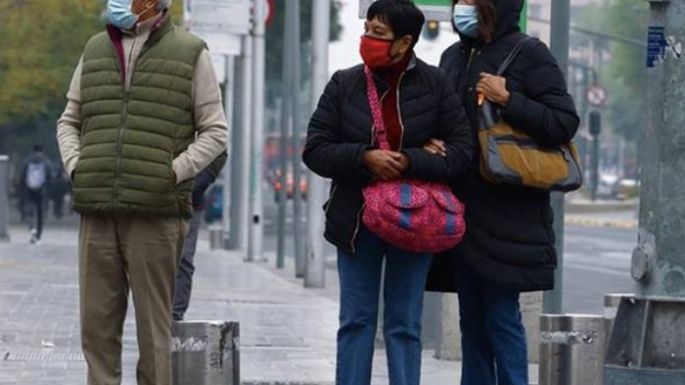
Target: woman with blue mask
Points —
{"points": [[509, 245]]}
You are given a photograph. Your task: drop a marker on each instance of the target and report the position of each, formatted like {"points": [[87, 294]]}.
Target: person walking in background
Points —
{"points": [[58, 189], [35, 177], [509, 245], [419, 102], [143, 117], [186, 268]]}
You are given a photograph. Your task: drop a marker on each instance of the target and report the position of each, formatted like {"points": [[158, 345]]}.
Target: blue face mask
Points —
{"points": [[466, 20], [119, 13]]}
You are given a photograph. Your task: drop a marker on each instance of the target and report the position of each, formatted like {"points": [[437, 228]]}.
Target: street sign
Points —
{"points": [[597, 95], [221, 23], [439, 10]]}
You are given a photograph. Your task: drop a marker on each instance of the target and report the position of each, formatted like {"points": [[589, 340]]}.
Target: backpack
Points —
{"points": [[36, 175], [414, 215]]}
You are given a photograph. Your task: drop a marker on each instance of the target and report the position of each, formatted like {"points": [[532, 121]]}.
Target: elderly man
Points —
{"points": [[143, 117]]}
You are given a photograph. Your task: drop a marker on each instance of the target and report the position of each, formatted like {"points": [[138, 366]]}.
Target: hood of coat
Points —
{"points": [[508, 18]]}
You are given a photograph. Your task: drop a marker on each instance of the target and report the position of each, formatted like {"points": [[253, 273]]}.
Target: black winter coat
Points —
{"points": [[341, 129], [509, 240]]}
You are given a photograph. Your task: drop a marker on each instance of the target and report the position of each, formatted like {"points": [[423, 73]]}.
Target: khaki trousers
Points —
{"points": [[115, 254]]}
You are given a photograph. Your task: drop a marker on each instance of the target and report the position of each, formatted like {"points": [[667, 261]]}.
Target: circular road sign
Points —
{"points": [[597, 95]]}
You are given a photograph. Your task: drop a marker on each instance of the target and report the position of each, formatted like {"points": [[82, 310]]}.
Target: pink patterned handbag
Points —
{"points": [[414, 215]]}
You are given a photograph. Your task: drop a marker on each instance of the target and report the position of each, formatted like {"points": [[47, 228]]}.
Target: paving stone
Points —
{"points": [[287, 331]]}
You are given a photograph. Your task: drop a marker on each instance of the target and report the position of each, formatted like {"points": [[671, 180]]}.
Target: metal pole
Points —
{"points": [[241, 155], [255, 248], [662, 202], [4, 198], [286, 85], [229, 102], [294, 20], [316, 264], [646, 345], [595, 166], [560, 32], [245, 143]]}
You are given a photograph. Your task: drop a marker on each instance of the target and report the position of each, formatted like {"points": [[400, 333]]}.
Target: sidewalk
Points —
{"points": [[287, 332]]}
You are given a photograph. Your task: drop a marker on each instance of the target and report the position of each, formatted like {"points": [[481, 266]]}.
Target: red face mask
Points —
{"points": [[375, 52]]}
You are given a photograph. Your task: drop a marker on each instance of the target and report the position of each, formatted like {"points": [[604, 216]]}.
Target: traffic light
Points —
{"points": [[431, 30], [595, 123]]}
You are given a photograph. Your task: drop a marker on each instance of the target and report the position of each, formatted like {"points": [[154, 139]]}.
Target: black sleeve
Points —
{"points": [[325, 152], [217, 165], [455, 129], [546, 110], [50, 169]]}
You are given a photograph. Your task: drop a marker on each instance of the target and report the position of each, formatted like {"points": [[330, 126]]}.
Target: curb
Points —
{"points": [[613, 224], [604, 207]]}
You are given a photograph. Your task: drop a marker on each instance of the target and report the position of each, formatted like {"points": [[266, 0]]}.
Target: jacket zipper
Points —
{"points": [[373, 132], [124, 115], [472, 55], [330, 199], [468, 64], [120, 138], [356, 230], [399, 112]]}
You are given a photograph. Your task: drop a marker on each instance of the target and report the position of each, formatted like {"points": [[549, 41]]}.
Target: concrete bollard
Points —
{"points": [[571, 349], [4, 198], [449, 339], [216, 238], [206, 353], [448, 345]]}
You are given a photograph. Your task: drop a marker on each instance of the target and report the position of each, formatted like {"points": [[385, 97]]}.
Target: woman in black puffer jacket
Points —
{"points": [[418, 103], [509, 246]]}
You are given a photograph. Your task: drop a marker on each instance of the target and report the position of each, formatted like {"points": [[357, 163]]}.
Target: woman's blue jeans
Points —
{"points": [[360, 281], [492, 334]]}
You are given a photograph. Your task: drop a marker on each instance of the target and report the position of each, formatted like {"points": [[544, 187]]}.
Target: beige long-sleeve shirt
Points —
{"points": [[209, 117]]}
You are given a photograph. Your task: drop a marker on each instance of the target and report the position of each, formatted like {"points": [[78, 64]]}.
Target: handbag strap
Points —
{"points": [[513, 55], [379, 130]]}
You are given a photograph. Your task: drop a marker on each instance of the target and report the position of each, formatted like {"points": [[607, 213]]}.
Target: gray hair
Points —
{"points": [[163, 4]]}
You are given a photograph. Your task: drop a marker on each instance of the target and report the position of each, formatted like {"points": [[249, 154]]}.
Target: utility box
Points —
{"points": [[206, 353]]}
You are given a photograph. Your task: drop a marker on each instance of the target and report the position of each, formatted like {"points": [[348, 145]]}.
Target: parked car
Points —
{"points": [[290, 185]]}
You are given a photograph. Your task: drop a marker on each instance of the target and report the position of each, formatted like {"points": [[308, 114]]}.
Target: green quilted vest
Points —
{"points": [[130, 138]]}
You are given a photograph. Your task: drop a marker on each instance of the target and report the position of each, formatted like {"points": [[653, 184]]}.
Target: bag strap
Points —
{"points": [[513, 55], [379, 130]]}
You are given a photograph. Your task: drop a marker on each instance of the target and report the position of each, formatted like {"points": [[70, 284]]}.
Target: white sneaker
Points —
{"points": [[34, 237]]}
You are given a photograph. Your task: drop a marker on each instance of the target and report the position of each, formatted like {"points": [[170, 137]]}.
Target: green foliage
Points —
{"points": [[41, 43], [626, 76], [40, 46]]}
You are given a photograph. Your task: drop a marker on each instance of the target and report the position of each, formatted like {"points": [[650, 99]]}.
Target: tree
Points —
{"points": [[41, 45]]}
